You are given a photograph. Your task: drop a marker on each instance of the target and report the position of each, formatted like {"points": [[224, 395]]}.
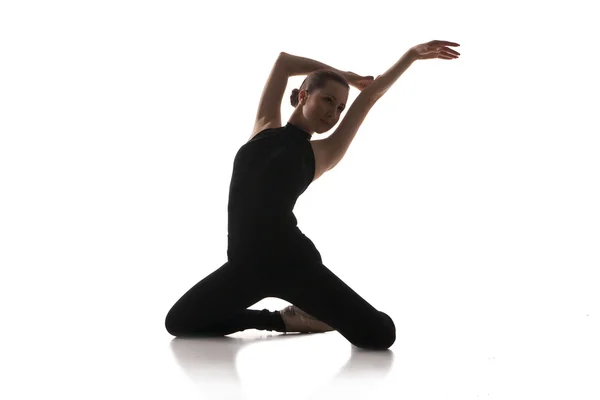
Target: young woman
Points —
{"points": [[268, 255]]}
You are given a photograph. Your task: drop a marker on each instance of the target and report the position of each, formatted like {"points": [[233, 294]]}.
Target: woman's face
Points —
{"points": [[324, 106]]}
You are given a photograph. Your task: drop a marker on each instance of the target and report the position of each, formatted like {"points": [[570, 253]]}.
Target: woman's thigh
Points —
{"points": [[206, 306], [318, 291]]}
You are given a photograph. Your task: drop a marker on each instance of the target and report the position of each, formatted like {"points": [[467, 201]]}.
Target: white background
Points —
{"points": [[466, 207]]}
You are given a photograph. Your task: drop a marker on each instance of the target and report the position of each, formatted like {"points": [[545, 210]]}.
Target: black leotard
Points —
{"points": [[269, 173], [268, 256]]}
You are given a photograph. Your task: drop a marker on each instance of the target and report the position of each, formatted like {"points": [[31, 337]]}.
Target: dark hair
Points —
{"points": [[317, 80]]}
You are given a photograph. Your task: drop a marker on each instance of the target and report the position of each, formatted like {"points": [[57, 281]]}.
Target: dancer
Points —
{"points": [[267, 254]]}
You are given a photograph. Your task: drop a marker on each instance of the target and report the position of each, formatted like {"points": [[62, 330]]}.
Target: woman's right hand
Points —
{"points": [[435, 49]]}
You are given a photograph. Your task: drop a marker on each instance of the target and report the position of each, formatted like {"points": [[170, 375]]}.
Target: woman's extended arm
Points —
{"points": [[433, 49], [339, 141], [384, 81], [304, 66]]}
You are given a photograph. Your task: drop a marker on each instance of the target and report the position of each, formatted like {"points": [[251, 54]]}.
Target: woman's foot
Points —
{"points": [[296, 320]]}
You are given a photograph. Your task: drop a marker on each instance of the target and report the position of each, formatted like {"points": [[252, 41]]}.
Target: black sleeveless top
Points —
{"points": [[269, 173]]}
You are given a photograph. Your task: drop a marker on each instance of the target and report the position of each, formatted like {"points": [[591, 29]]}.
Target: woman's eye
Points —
{"points": [[330, 100]]}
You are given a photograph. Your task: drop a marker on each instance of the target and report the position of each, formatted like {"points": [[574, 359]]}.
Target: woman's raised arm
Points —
{"points": [[433, 49], [339, 141]]}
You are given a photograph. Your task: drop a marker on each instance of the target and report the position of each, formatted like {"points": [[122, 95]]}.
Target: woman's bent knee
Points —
{"points": [[382, 337], [389, 332], [170, 325], [176, 325]]}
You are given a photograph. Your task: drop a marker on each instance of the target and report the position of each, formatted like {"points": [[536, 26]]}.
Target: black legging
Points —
{"points": [[217, 305], [268, 256]]}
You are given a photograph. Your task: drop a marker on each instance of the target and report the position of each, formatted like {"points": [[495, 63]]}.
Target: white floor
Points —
{"points": [[109, 345], [466, 207]]}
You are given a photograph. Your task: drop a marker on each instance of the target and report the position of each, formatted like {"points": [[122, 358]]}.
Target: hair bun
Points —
{"points": [[294, 97]]}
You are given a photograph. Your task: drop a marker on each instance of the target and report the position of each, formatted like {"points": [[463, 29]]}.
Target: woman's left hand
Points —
{"points": [[358, 81]]}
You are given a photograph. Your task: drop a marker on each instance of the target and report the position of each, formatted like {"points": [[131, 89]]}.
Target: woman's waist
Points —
{"points": [[257, 224], [256, 233], [283, 245]]}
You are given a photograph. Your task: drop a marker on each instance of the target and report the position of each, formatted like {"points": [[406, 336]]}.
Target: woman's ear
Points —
{"points": [[305, 96]]}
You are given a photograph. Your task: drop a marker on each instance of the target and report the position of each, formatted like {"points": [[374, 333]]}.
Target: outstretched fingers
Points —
{"points": [[443, 43], [447, 53], [451, 51]]}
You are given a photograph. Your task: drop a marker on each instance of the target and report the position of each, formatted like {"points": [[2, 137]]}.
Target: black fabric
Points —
{"points": [[269, 173], [268, 255]]}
